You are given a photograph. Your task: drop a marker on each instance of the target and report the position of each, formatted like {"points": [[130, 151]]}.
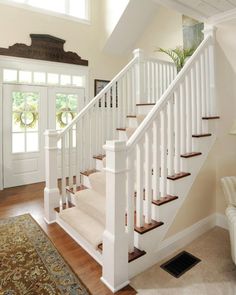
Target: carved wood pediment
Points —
{"points": [[44, 47]]}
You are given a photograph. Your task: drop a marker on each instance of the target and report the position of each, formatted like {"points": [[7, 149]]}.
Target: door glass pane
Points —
{"points": [[66, 109], [25, 119]]}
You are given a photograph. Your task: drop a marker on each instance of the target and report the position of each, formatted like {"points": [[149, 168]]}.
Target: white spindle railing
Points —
{"points": [[154, 150], [85, 136], [157, 77]]}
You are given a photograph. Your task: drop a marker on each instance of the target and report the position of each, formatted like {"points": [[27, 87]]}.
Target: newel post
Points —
{"points": [[115, 239], [210, 30], [51, 191], [139, 75]]}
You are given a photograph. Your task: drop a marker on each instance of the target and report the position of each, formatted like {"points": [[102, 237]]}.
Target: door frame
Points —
{"points": [[25, 64]]}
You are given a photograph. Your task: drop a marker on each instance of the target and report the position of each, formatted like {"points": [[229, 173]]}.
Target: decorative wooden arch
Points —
{"points": [[44, 47]]}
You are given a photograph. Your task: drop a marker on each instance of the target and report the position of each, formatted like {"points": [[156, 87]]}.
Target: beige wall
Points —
{"points": [[226, 86], [17, 24], [206, 195], [165, 30]]}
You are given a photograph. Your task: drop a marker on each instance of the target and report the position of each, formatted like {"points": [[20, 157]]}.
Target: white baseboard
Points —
{"points": [[221, 221], [176, 242]]}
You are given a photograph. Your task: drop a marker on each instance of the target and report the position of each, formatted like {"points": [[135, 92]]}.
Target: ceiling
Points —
{"points": [[211, 11]]}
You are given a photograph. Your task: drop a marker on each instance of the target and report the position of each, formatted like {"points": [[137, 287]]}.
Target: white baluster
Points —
{"points": [[156, 159], [198, 98], [133, 112], [139, 184], [114, 113], [78, 153], [139, 54], [203, 85], [163, 153], [207, 67], [148, 175], [124, 104], [170, 138], [182, 118], [188, 112], [130, 201], [177, 130], [63, 172], [71, 175], [194, 100], [155, 83]]}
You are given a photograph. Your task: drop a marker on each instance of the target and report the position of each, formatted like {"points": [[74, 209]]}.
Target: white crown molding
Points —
{"points": [[183, 9], [222, 17]]}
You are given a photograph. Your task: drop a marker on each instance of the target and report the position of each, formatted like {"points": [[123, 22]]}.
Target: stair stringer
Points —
{"points": [[153, 241]]}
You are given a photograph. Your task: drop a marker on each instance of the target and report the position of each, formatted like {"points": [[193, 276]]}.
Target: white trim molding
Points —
{"points": [[178, 241]]}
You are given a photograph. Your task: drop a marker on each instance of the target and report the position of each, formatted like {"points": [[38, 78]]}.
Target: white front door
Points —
{"points": [[24, 121], [27, 112]]}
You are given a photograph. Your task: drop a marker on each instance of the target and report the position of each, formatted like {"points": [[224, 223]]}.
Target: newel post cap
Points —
{"points": [[138, 53], [209, 30]]}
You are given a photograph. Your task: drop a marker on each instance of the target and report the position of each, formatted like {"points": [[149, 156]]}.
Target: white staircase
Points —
{"points": [[118, 200]]}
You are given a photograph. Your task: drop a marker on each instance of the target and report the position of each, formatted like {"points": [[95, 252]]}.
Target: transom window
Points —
{"points": [[75, 8]]}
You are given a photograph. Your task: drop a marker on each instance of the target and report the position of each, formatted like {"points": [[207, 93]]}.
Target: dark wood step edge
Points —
{"points": [[78, 188], [70, 205], [145, 104], [88, 172], [178, 175], [190, 155], [211, 118], [131, 116], [164, 200], [132, 256], [148, 227], [121, 129], [99, 157], [201, 135]]}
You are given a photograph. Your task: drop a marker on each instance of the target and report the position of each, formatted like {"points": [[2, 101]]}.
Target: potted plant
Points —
{"points": [[179, 55]]}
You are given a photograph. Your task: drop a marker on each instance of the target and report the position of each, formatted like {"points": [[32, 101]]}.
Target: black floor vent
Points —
{"points": [[179, 264]]}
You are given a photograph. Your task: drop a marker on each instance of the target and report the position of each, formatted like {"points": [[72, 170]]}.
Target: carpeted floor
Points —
{"points": [[214, 275], [30, 263]]}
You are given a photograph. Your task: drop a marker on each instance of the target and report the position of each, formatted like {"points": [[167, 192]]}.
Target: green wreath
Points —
{"points": [[26, 116], [60, 114]]}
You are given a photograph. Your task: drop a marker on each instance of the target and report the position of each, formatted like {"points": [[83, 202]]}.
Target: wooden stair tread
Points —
{"points": [[89, 172], [148, 226], [190, 155], [201, 135], [131, 116], [121, 129], [99, 157], [164, 200], [145, 104], [132, 256], [178, 175], [211, 118], [78, 188], [70, 205]]}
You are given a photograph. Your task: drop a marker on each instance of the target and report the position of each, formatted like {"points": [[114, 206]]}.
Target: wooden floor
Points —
{"points": [[29, 199]]}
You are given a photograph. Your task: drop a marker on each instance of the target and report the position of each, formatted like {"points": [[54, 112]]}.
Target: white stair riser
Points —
{"points": [[144, 109], [99, 165]]}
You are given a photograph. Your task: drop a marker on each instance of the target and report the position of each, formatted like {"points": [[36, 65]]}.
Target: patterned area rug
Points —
{"points": [[30, 264]]}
